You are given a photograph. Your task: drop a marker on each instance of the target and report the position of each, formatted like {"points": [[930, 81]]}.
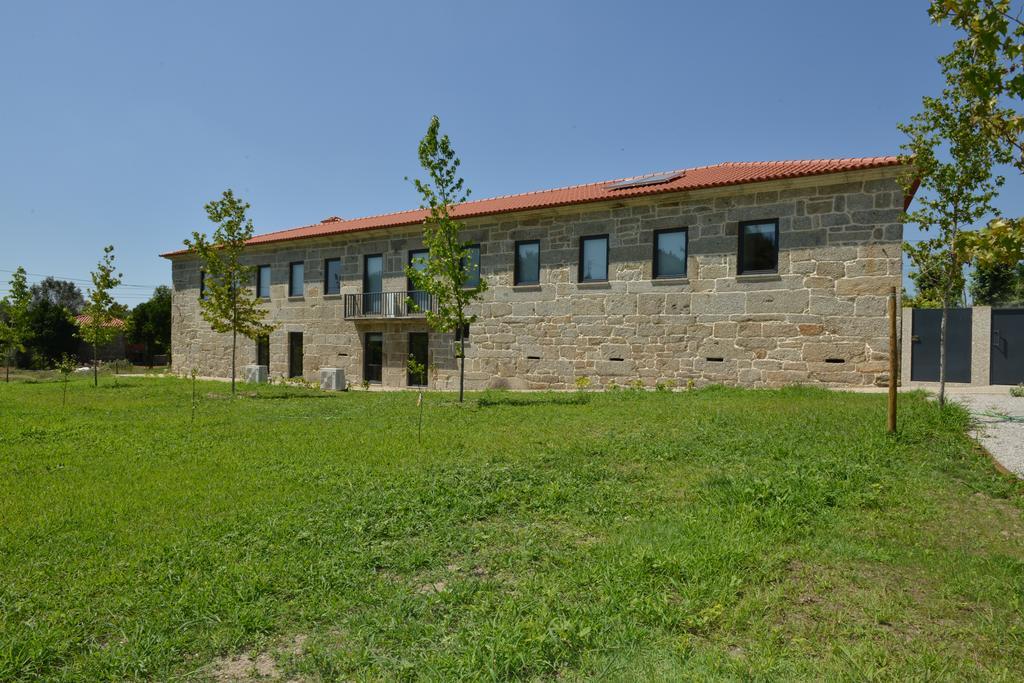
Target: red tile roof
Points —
{"points": [[85, 319], [718, 175]]}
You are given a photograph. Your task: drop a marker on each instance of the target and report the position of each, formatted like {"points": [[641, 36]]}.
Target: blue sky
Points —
{"points": [[118, 120]]}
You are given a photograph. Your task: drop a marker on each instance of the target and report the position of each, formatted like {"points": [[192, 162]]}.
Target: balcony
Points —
{"points": [[388, 305]]}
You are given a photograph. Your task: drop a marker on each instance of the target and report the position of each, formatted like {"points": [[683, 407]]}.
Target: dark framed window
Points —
{"points": [[593, 259], [332, 276], [202, 284], [758, 248], [462, 334], [417, 260], [263, 282], [296, 278], [471, 264], [527, 266], [670, 246]]}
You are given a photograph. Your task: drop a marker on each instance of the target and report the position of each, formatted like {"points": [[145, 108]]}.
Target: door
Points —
{"points": [[373, 357], [373, 283], [295, 354], [263, 352], [418, 354], [924, 355], [1007, 363]]}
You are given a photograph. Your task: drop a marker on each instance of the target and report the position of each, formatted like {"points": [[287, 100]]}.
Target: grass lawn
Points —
{"points": [[720, 532]]}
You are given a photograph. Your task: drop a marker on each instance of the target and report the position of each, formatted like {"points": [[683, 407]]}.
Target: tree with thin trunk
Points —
{"points": [[953, 164], [447, 274], [956, 141], [14, 319], [229, 304], [97, 326]]}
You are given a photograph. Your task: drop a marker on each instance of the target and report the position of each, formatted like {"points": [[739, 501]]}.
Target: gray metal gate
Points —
{"points": [[1007, 361], [924, 359]]}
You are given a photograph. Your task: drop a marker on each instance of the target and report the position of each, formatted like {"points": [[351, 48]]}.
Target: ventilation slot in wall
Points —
{"points": [[618, 359], [533, 358], [834, 360], [715, 359], [343, 354]]}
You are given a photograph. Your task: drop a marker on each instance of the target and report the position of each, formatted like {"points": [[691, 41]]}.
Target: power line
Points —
{"points": [[77, 280]]}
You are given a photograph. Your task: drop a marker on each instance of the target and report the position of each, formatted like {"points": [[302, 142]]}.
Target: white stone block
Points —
{"points": [[332, 379], [255, 374]]}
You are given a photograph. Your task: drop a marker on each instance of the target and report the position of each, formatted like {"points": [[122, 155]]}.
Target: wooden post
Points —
{"points": [[894, 354]]}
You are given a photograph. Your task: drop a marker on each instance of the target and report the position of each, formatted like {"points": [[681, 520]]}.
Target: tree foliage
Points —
{"points": [[445, 274], [150, 323], [986, 65], [53, 334], [229, 304], [60, 293], [100, 310], [998, 285], [14, 320], [952, 160]]}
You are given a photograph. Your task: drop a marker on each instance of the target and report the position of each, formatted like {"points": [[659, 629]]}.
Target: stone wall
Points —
{"points": [[821, 319]]}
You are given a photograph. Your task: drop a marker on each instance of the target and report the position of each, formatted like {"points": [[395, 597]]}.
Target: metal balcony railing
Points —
{"points": [[388, 305]]}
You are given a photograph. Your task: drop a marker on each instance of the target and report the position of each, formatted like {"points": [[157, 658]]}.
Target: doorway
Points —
{"points": [[418, 343], [263, 352], [1006, 365], [295, 354], [373, 358], [924, 359]]}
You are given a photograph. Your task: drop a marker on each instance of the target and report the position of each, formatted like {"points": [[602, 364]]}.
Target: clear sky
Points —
{"points": [[119, 120]]}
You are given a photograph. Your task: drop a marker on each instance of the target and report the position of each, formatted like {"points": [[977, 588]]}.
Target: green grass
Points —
{"points": [[627, 535]]}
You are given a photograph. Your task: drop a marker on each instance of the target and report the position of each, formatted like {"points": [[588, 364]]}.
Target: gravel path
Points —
{"points": [[1000, 425]]}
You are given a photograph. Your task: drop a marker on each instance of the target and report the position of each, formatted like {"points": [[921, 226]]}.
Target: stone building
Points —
{"points": [[757, 274]]}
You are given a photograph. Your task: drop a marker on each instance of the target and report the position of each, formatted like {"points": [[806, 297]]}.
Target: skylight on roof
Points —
{"points": [[653, 179]]}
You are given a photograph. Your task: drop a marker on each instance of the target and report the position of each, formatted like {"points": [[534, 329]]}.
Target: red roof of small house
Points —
{"points": [[702, 177], [85, 319]]}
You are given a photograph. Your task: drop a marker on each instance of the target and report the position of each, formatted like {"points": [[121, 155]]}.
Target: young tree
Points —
{"points": [[446, 274], [229, 305], [953, 164], [150, 323], [14, 319], [98, 327]]}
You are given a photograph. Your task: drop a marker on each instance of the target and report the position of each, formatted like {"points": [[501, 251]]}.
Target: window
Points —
{"points": [[373, 283], [418, 261], [594, 259], [471, 265], [759, 247], [670, 252], [332, 276], [527, 266], [462, 334], [296, 276], [202, 284], [263, 282]]}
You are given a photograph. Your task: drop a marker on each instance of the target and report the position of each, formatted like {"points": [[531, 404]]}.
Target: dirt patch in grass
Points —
{"points": [[260, 666]]}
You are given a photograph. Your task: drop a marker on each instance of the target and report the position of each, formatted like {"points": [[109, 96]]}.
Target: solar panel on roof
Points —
{"points": [[653, 179]]}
